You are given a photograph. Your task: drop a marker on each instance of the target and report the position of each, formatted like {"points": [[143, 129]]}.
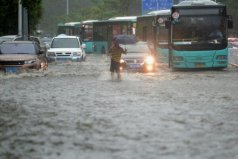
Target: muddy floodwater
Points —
{"points": [[74, 111]]}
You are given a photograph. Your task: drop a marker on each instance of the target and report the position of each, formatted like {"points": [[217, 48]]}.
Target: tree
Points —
{"points": [[34, 12], [9, 15], [232, 6]]}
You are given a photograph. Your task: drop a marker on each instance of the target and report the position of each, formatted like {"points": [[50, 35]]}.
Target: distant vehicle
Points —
{"points": [[19, 54], [66, 48], [138, 58], [105, 30], [69, 28], [46, 40], [20, 38], [8, 38], [232, 42], [151, 28], [82, 29], [87, 34]]}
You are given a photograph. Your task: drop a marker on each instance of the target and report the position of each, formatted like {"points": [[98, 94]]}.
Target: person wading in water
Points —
{"points": [[115, 53]]}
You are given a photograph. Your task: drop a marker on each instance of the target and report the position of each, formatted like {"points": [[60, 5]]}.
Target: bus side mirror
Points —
{"points": [[230, 22], [167, 24]]}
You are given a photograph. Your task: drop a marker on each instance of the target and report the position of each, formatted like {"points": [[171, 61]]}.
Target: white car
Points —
{"points": [[66, 48]]}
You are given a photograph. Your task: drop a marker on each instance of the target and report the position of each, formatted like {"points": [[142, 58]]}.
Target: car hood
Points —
{"points": [[134, 55], [17, 57], [64, 49]]}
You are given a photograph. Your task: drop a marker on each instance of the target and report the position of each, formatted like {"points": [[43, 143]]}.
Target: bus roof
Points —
{"points": [[160, 12], [72, 23], [197, 3], [125, 18], [89, 21]]}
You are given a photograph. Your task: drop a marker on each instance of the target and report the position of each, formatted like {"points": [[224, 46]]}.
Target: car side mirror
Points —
{"points": [[84, 46], [47, 46]]}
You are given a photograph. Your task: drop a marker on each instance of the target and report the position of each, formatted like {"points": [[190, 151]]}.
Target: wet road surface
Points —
{"points": [[74, 111]]}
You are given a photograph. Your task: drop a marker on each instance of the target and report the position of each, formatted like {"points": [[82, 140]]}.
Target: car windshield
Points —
{"points": [[137, 48], [65, 43], [17, 48]]}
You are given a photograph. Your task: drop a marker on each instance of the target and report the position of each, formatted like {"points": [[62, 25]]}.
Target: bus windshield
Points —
{"points": [[203, 29]]}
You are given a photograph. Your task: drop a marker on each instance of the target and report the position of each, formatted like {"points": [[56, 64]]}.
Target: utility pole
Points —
{"points": [[19, 18], [67, 7]]}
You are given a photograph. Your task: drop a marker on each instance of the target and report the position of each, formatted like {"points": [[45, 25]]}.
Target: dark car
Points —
{"points": [[138, 58], [19, 54]]}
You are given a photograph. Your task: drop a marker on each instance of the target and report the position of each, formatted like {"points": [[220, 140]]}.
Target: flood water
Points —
{"points": [[74, 111]]}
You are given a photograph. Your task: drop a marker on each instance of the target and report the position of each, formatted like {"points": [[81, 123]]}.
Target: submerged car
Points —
{"points": [[19, 54], [138, 58], [20, 38], [66, 48]]}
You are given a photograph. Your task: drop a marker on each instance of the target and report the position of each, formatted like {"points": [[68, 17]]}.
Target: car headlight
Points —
{"points": [[77, 53], [149, 60], [30, 61], [50, 54]]}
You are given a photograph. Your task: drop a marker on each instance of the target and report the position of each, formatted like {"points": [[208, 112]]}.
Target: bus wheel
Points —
{"points": [[103, 51]]}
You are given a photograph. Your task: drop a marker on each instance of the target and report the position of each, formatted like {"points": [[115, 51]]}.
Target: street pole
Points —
{"points": [[67, 7], [19, 18]]}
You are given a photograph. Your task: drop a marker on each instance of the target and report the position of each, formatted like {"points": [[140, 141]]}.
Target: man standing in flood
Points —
{"points": [[115, 53]]}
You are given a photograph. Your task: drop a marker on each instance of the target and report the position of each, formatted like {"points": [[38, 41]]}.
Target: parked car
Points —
{"points": [[8, 38], [20, 38], [66, 48], [139, 57], [19, 54]]}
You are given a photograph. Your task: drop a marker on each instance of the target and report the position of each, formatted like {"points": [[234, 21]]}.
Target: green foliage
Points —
{"points": [[9, 15], [232, 6], [46, 14]]}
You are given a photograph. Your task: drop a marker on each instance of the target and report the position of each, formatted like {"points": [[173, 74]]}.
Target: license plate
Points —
{"points": [[10, 69], [134, 66], [199, 64]]}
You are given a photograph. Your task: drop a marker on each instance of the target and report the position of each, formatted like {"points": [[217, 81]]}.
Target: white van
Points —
{"points": [[66, 48]]}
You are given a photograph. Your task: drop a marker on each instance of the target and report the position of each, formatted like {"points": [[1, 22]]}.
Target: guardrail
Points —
{"points": [[233, 56]]}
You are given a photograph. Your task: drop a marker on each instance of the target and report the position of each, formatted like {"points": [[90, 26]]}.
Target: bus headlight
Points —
{"points": [[177, 58], [221, 57], [149, 60]]}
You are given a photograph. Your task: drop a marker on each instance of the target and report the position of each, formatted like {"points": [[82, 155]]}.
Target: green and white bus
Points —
{"points": [[82, 29], [151, 28], [69, 28], [198, 35], [87, 34], [105, 30]]}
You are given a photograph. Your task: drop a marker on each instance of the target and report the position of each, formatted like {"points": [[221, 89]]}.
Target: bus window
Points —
{"points": [[116, 30]]}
